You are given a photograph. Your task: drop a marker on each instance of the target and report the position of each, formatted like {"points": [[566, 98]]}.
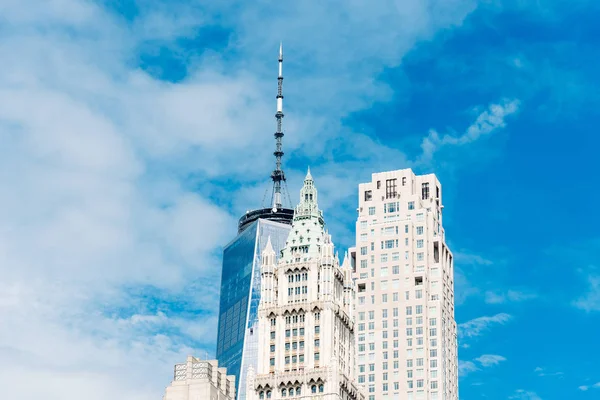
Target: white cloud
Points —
{"points": [[487, 360], [478, 326], [491, 119], [521, 394], [466, 367], [484, 361], [585, 388], [590, 301], [499, 297]]}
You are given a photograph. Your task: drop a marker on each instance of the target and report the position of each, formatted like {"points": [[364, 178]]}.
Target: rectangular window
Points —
{"points": [[363, 237], [389, 244], [395, 256], [391, 207], [363, 251], [419, 309], [411, 205], [384, 258], [396, 269], [420, 243], [425, 190], [420, 256], [368, 195], [371, 210], [384, 272], [390, 188], [419, 230]]}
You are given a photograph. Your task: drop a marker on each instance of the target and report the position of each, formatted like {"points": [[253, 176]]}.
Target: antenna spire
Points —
{"points": [[277, 175]]}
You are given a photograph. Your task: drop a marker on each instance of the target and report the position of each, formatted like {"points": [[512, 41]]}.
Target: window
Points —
{"points": [[363, 237], [419, 230], [392, 207], [419, 309], [363, 224], [408, 310], [272, 361], [368, 195], [433, 363], [420, 244], [432, 321], [313, 388], [317, 356], [395, 256], [363, 251], [411, 205], [425, 190], [390, 188], [432, 332], [384, 258], [371, 210], [419, 383], [434, 385], [419, 294], [396, 269], [420, 256], [272, 335], [283, 392], [389, 244]]}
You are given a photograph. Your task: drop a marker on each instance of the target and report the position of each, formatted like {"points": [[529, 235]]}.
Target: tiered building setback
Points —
{"points": [[198, 379], [406, 333], [306, 324]]}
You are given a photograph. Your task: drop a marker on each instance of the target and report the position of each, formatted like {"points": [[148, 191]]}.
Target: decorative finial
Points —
{"points": [[308, 175]]}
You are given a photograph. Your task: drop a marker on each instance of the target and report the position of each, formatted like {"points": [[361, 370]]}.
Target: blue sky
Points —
{"points": [[134, 134]]}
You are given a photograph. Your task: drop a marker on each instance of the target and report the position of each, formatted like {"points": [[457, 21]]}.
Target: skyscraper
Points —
{"points": [[406, 332], [306, 324], [240, 279]]}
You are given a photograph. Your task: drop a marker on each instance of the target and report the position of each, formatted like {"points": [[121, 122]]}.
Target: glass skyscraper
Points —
{"points": [[237, 340]]}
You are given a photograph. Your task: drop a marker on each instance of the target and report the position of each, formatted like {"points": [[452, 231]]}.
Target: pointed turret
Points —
{"points": [[267, 272]]}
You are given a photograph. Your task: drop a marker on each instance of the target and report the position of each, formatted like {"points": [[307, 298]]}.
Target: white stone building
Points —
{"points": [[306, 325], [406, 333], [200, 380]]}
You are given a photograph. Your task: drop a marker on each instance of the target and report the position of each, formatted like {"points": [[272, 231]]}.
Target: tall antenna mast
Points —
{"points": [[277, 175]]}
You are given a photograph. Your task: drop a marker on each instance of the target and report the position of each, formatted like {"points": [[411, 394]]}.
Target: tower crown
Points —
{"points": [[308, 227]]}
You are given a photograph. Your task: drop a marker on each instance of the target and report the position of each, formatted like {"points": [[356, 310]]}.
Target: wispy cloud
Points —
{"points": [[590, 301], [543, 372], [491, 119], [513, 296], [521, 394], [466, 367], [483, 361], [488, 360], [478, 326], [585, 388]]}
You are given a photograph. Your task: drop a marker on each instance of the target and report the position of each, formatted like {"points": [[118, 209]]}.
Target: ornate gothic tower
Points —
{"points": [[306, 325]]}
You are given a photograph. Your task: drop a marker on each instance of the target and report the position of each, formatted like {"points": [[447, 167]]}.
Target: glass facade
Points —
{"points": [[237, 342]]}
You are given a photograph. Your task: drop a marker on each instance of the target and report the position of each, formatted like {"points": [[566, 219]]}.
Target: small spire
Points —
{"points": [[346, 262], [308, 175], [268, 247]]}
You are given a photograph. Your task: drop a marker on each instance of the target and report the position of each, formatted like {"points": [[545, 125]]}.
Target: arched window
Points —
{"points": [[262, 395], [268, 394], [291, 392], [283, 392], [298, 391], [314, 388], [321, 388]]}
